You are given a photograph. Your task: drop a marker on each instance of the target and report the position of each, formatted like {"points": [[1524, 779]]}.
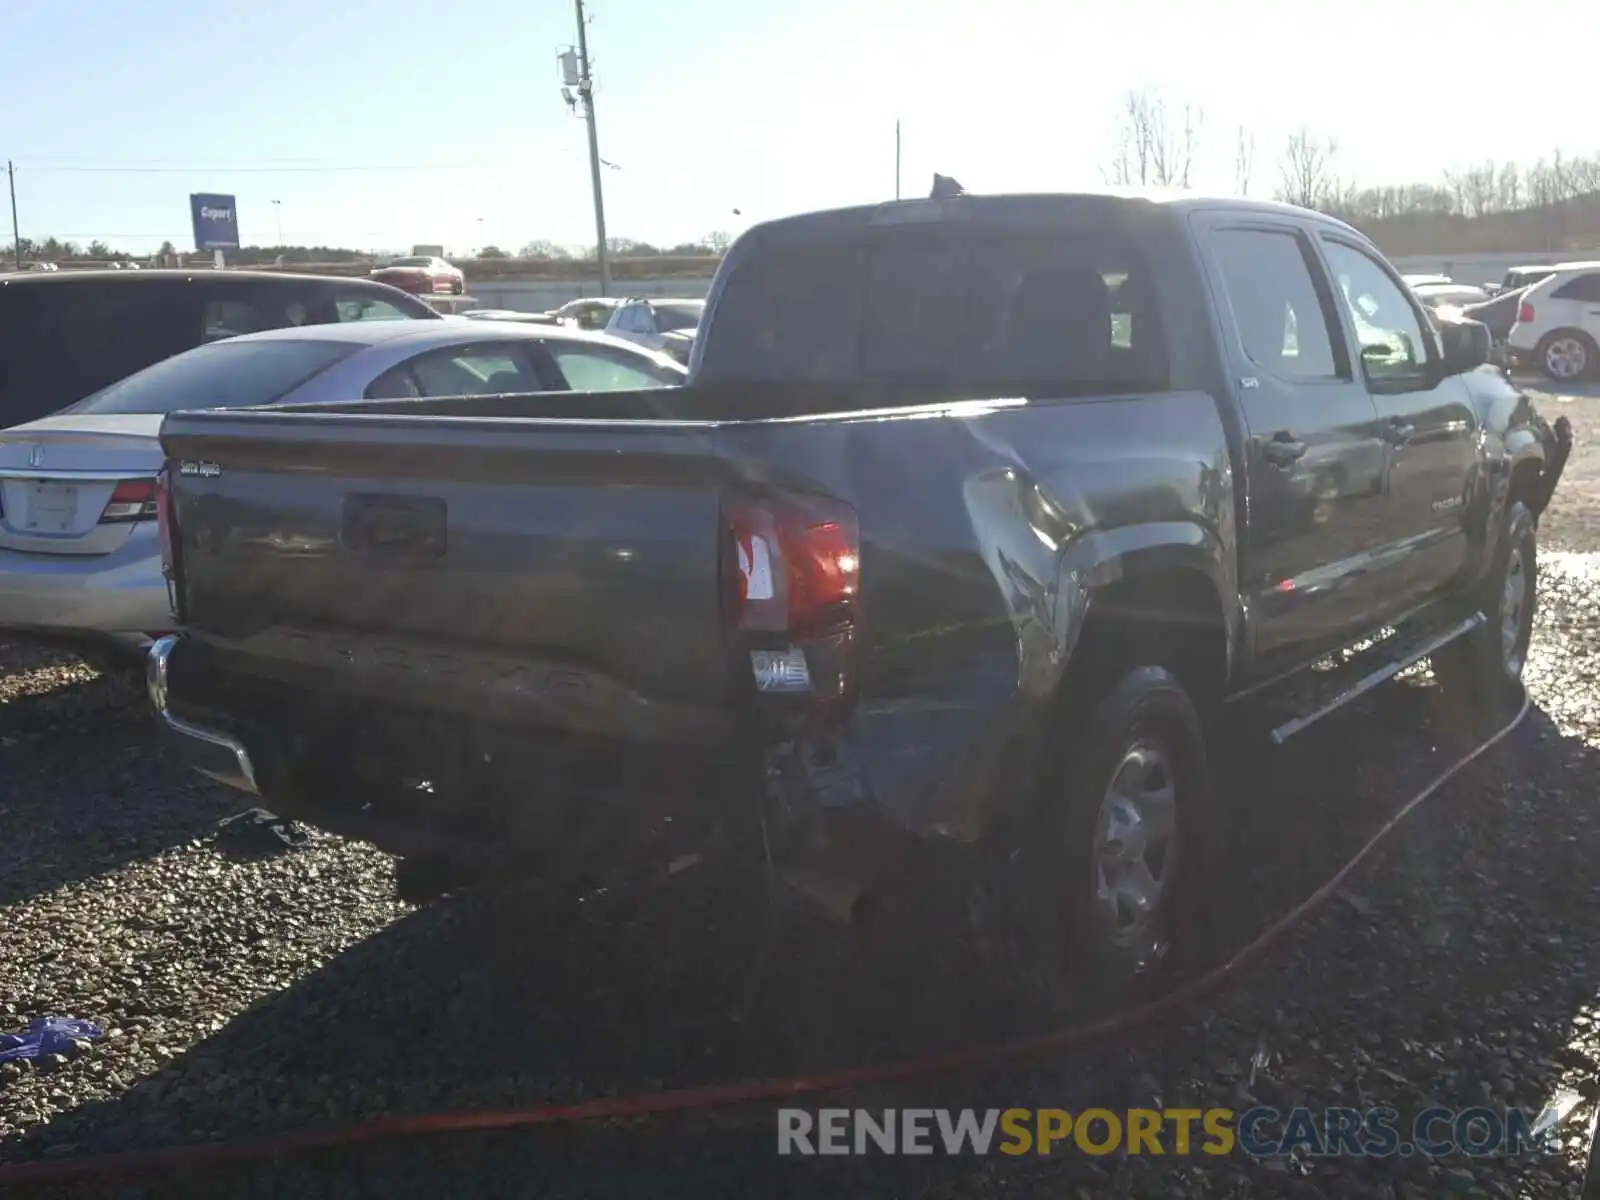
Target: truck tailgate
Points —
{"points": [[573, 566]]}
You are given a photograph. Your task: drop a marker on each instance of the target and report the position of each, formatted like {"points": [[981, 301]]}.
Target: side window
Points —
{"points": [[1387, 327], [460, 371], [1280, 318], [397, 383], [1585, 288], [367, 308], [229, 318], [596, 369]]}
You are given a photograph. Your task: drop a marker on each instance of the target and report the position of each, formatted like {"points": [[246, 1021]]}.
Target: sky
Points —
{"points": [[380, 125]]}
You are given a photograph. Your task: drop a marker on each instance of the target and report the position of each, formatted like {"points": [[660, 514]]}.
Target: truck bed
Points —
{"points": [[568, 573]]}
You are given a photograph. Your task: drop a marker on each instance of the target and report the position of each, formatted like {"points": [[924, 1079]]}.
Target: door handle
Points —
{"points": [[1283, 449], [1397, 432]]}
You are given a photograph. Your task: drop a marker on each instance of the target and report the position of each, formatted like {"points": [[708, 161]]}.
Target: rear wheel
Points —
{"points": [[1486, 665], [1113, 863], [1567, 355]]}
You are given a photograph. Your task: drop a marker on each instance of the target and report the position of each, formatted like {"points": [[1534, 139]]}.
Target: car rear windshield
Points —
{"points": [[1072, 312], [412, 262], [228, 374]]}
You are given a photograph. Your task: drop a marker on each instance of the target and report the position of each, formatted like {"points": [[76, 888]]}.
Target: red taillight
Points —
{"points": [[164, 521], [793, 591], [1525, 313], [131, 500]]}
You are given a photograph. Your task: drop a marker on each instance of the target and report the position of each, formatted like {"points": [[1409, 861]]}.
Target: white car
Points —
{"points": [[643, 322], [1456, 295], [80, 558], [1558, 324]]}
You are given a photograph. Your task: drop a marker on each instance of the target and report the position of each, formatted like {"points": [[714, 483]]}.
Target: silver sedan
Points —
{"points": [[80, 557]]}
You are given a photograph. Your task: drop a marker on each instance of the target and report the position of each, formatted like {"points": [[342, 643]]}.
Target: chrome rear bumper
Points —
{"points": [[208, 751]]}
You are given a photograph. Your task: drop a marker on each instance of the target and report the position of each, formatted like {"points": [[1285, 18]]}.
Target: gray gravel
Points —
{"points": [[247, 996]]}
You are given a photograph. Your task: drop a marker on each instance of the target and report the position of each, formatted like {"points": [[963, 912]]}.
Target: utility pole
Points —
{"points": [[16, 233], [586, 92], [897, 160]]}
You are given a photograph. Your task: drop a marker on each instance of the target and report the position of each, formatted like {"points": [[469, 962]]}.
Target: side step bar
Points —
{"points": [[1356, 677]]}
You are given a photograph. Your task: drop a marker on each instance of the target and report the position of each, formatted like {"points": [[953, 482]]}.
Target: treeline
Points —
{"points": [[59, 251], [1550, 204]]}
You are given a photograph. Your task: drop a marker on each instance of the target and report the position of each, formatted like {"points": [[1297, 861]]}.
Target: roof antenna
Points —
{"points": [[945, 187]]}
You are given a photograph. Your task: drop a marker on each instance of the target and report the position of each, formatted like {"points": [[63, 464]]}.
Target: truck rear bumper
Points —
{"points": [[646, 824], [209, 751]]}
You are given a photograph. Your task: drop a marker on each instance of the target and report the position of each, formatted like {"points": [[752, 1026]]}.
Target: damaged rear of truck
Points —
{"points": [[956, 541]]}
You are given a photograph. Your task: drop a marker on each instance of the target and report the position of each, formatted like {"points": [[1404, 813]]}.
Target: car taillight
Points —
{"points": [[1525, 314], [165, 523], [793, 591], [132, 500]]}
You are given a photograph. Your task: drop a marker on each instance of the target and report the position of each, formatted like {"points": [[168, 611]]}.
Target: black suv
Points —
{"points": [[67, 334]]}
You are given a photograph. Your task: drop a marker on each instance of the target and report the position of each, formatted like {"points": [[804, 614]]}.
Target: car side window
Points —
{"points": [[1387, 327], [356, 307], [597, 369], [1282, 324], [229, 318], [483, 370], [1585, 288]]}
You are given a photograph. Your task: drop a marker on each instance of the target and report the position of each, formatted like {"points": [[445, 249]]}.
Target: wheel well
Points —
{"points": [[1172, 619]]}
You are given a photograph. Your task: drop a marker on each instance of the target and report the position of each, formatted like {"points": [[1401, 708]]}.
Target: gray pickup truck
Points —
{"points": [[974, 518]]}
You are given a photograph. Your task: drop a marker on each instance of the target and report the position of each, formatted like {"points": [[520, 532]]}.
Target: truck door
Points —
{"points": [[1313, 459], [1429, 428]]}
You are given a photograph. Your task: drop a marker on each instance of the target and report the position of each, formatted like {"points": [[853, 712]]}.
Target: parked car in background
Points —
{"points": [[679, 344], [67, 334], [1558, 324], [1416, 281], [422, 275], [511, 314], [1141, 461], [1437, 295], [79, 557], [591, 313], [644, 322], [1498, 314], [1520, 277]]}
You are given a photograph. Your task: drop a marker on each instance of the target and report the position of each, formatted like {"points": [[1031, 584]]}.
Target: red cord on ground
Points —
{"points": [[1096, 1035]]}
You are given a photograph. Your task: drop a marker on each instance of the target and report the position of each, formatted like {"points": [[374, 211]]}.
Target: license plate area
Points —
{"points": [[51, 507]]}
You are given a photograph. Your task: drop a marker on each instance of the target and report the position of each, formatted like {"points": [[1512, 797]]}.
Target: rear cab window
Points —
{"points": [[1056, 312]]}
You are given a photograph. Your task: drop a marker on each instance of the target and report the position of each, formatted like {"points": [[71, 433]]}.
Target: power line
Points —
{"points": [[344, 168]]}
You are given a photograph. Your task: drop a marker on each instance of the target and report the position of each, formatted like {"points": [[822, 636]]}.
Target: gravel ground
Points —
{"points": [[247, 995]]}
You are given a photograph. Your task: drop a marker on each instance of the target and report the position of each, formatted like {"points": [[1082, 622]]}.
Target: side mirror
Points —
{"points": [[1464, 345]]}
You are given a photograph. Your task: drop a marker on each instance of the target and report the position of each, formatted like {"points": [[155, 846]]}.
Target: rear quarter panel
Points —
{"points": [[985, 529]]}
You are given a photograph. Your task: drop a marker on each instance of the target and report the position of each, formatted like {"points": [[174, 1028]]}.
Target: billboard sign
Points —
{"points": [[216, 221]]}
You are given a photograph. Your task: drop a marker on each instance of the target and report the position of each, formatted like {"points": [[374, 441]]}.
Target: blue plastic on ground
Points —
{"points": [[47, 1035]]}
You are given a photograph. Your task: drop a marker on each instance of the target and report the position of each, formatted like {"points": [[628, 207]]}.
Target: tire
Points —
{"points": [[1567, 355], [1485, 666], [1133, 762]]}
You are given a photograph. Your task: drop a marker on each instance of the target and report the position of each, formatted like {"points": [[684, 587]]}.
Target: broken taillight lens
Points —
{"points": [[164, 521], [792, 591]]}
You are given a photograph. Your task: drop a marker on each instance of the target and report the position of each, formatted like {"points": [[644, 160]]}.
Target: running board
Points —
{"points": [[1367, 669]]}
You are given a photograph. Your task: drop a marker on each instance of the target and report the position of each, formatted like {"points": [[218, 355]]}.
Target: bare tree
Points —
{"points": [[1154, 147], [1244, 156], [1306, 171]]}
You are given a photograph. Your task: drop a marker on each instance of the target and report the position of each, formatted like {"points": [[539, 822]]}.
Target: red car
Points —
{"points": [[422, 276]]}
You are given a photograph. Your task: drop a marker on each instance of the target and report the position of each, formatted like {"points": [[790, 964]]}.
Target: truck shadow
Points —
{"points": [[480, 1003], [86, 800]]}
